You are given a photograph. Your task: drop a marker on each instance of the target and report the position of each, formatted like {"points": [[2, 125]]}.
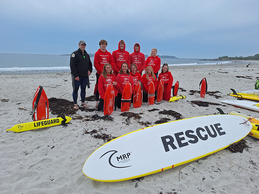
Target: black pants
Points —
{"points": [[97, 96], [145, 96], [101, 103], [118, 102]]}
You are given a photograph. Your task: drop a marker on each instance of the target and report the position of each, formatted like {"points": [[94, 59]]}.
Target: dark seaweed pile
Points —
{"points": [[245, 77], [144, 123], [93, 118], [172, 113], [154, 109], [162, 120], [210, 93], [238, 147], [204, 103], [99, 135], [61, 107], [130, 115], [90, 98]]}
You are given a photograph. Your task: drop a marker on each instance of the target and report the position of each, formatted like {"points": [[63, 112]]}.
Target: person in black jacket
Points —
{"points": [[81, 68]]}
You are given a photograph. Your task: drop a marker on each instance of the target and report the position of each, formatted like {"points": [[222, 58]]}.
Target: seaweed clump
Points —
{"points": [[162, 120], [61, 107], [99, 135], [172, 113], [238, 147], [204, 103]]}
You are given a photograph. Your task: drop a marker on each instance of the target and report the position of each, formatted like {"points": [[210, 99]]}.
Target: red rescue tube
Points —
{"points": [[176, 87], [109, 100], [160, 90], [40, 105], [204, 87], [151, 93], [126, 97], [137, 96]]}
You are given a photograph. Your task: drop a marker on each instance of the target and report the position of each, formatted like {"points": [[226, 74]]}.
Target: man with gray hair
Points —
{"points": [[81, 68]]}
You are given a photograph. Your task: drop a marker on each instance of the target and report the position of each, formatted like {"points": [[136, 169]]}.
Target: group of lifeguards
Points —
{"points": [[120, 67]]}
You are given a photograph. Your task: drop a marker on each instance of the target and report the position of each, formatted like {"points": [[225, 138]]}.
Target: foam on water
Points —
{"points": [[34, 69], [205, 63]]}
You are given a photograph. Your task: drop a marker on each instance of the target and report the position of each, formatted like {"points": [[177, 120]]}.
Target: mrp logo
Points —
{"points": [[123, 157], [182, 139], [115, 160]]}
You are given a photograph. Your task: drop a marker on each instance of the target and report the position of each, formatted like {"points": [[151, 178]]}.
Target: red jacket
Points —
{"points": [[103, 83], [100, 59], [154, 62], [136, 77], [120, 56], [168, 81], [122, 80], [146, 82], [138, 58]]}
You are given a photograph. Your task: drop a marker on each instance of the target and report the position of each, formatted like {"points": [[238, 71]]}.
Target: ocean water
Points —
{"points": [[36, 63]]}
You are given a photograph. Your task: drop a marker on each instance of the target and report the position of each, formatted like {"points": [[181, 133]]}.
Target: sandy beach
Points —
{"points": [[50, 160]]}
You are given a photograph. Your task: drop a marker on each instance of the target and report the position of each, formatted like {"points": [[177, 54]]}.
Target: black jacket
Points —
{"points": [[80, 64]]}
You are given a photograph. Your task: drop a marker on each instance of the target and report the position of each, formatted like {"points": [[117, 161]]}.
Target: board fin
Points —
{"points": [[220, 111], [234, 91]]}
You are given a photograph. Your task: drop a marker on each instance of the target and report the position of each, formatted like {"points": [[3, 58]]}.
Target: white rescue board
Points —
{"points": [[251, 105], [160, 147]]}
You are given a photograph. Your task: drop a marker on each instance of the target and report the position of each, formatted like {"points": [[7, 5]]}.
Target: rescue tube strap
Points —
{"points": [[36, 102], [64, 121], [124, 100]]}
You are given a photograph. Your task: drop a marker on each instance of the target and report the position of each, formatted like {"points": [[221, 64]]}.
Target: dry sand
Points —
{"points": [[51, 160]]}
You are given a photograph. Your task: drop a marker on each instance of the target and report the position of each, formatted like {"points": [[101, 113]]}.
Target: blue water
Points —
{"points": [[36, 63]]}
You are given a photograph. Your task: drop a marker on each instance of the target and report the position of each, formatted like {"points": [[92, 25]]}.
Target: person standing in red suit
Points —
{"points": [[138, 58], [146, 78], [101, 57], [120, 56], [167, 77], [154, 61], [123, 78], [107, 77]]}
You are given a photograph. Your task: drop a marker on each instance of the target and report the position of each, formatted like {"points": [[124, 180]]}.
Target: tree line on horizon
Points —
{"points": [[255, 57]]}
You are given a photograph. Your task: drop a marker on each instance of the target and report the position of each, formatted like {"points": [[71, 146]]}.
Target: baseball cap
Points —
{"points": [[81, 42]]}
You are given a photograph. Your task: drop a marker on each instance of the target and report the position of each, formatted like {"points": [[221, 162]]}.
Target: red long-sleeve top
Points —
{"points": [[103, 83], [101, 58], [122, 80], [120, 56], [145, 82], [154, 62], [168, 81], [136, 77], [138, 58]]}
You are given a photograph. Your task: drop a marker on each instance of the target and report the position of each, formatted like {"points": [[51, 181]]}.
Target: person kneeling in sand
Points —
{"points": [[123, 78], [167, 77], [146, 79], [107, 77], [81, 68]]}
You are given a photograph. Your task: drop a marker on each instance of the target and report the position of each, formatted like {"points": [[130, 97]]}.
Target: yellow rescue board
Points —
{"points": [[174, 98], [244, 95], [39, 124], [254, 121]]}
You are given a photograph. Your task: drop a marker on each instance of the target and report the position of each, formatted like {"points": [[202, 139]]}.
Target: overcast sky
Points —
{"points": [[182, 28]]}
